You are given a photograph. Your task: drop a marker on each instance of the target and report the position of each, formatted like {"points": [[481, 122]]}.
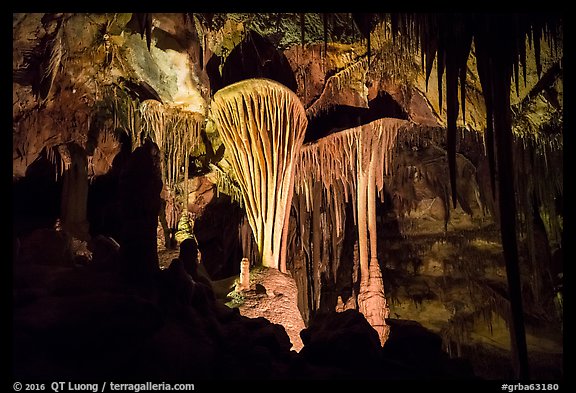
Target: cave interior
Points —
{"points": [[287, 195]]}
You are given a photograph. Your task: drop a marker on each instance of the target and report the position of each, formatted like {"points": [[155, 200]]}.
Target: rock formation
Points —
{"points": [[262, 124], [269, 136]]}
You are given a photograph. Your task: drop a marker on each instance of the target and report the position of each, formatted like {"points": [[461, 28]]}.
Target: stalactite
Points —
{"points": [[352, 162], [463, 52], [503, 133], [394, 23], [302, 27], [423, 63], [303, 214], [262, 125], [452, 115], [51, 65], [362, 212], [430, 52], [484, 72], [335, 238], [186, 174], [536, 188], [368, 48], [516, 77], [145, 27], [325, 31], [489, 51], [316, 241], [463, 71], [440, 63], [537, 273], [124, 112], [284, 237], [175, 131], [537, 34], [522, 53], [60, 158]]}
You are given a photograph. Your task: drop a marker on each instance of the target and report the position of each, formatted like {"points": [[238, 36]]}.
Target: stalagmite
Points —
{"points": [[262, 124], [244, 275], [75, 191], [372, 302]]}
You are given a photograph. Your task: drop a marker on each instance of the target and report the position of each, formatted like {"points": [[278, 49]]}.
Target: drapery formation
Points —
{"points": [[350, 165], [177, 133], [262, 125]]}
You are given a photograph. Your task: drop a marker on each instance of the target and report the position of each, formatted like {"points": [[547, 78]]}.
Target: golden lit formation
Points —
{"points": [[262, 124]]}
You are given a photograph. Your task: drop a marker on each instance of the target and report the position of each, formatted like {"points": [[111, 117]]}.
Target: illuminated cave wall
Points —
{"points": [[90, 88]]}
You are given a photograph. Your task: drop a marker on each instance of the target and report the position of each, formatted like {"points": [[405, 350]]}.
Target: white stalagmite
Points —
{"points": [[356, 161], [262, 124], [244, 284]]}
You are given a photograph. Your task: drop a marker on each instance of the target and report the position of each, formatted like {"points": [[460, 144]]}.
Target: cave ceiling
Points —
{"points": [[64, 61], [89, 79]]}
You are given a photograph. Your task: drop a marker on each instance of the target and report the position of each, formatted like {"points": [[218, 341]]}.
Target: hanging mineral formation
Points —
{"points": [[500, 45], [354, 161], [262, 124], [175, 131]]}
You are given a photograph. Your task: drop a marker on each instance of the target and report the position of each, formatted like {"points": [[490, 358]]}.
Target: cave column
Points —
{"points": [[74, 191], [262, 124], [362, 212], [317, 236], [371, 299], [284, 239]]}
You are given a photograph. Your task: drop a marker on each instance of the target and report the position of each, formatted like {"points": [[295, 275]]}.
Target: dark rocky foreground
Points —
{"points": [[96, 321]]}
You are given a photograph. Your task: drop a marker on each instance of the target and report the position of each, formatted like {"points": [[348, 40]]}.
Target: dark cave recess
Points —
{"points": [[342, 117]]}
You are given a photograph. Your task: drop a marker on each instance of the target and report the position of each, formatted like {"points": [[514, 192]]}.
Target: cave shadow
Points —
{"points": [[216, 232], [254, 57], [103, 209], [343, 117], [36, 197]]}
